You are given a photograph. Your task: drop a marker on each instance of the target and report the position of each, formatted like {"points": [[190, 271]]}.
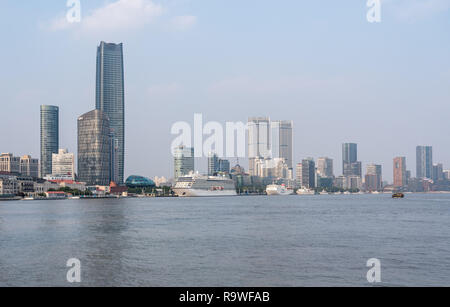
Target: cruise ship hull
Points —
{"points": [[273, 193], [203, 193]]}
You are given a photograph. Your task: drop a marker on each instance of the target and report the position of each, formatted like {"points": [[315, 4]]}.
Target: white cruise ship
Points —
{"points": [[204, 186], [275, 189]]}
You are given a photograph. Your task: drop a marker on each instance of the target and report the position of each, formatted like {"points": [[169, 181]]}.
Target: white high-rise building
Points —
{"points": [[63, 164]]}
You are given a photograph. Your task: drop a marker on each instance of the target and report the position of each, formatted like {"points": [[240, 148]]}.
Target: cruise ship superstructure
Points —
{"points": [[204, 186]]}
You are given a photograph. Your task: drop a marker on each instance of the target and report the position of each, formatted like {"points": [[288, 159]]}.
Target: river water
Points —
{"points": [[239, 241]]}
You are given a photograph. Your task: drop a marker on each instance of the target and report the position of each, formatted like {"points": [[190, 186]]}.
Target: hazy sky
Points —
{"points": [[383, 85]]}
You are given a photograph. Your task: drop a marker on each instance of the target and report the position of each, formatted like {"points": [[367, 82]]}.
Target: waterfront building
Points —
{"points": [[325, 182], [371, 183], [349, 156], [350, 164], [400, 172], [217, 165], [272, 168], [63, 164], [114, 189], [306, 173], [139, 182], [325, 167], [262, 168], [353, 169], [354, 183], [213, 164], [408, 176], [41, 187], [68, 183], [375, 174], [25, 185], [29, 166], [447, 174], [348, 182], [8, 186], [340, 182], [282, 139], [438, 172], [424, 162], [49, 137], [183, 161], [258, 141], [94, 148], [110, 95], [9, 163]]}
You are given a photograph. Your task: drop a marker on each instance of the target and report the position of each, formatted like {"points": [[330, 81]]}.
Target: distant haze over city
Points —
{"points": [[340, 79]]}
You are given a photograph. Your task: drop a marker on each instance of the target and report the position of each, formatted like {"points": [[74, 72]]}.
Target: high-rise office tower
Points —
{"points": [[49, 137], [110, 95], [400, 172], [63, 164], [183, 161], [258, 141], [94, 145], [374, 171], [306, 173], [350, 164], [325, 167], [349, 152], [217, 165], [424, 162], [438, 172], [282, 141], [213, 164], [371, 183]]}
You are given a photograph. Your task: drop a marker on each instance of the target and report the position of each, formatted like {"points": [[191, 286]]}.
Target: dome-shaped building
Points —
{"points": [[139, 182]]}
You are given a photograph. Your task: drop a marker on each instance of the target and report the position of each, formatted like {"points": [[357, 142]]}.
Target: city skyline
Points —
{"points": [[164, 84]]}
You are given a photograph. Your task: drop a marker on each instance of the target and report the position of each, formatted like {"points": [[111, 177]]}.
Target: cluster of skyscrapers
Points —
{"points": [[270, 158], [270, 147], [101, 132]]}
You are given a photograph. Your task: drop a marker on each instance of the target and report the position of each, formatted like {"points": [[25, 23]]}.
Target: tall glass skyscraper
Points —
{"points": [[94, 148], [349, 152], [49, 137], [110, 95], [350, 164], [424, 162]]}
